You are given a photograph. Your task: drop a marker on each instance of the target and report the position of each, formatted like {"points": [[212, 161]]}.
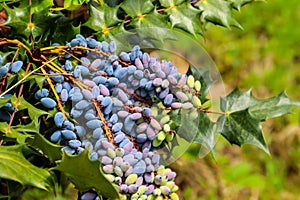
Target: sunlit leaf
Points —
{"points": [[170, 3], [11, 132], [237, 4], [137, 8], [259, 108], [102, 17], [186, 17], [217, 12], [14, 166]]}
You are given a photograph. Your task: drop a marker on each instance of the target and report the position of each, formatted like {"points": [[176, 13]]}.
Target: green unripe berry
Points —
{"points": [[143, 197], [157, 192], [131, 179], [165, 119], [161, 136], [170, 184], [156, 142], [159, 198], [120, 152], [161, 170], [169, 136], [134, 197], [111, 153], [197, 86], [142, 189], [196, 101], [175, 188], [174, 196], [191, 81], [154, 111], [167, 128]]}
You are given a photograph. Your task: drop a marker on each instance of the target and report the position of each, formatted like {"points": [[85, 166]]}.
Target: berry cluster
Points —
{"points": [[123, 108], [8, 108]]}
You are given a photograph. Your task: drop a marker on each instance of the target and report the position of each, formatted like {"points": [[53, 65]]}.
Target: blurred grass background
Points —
{"points": [[265, 56]]}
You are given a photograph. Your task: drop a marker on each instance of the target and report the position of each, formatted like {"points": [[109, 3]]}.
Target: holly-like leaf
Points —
{"points": [[73, 4], [137, 8], [11, 132], [86, 174], [241, 128], [170, 3], [186, 17], [151, 28], [28, 128], [25, 22], [236, 101], [36, 79], [34, 113], [37, 5], [64, 31], [17, 18], [205, 135], [52, 151], [14, 166], [237, 4], [102, 17], [217, 12], [261, 109], [273, 107]]}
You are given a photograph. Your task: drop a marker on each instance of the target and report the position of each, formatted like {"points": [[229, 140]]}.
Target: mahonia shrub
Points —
{"points": [[84, 101]]}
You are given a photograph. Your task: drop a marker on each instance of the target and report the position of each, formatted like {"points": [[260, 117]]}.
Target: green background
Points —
{"points": [[265, 56]]}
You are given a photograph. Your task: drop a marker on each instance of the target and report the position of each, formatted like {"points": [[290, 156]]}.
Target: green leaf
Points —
{"points": [[241, 128], [102, 17], [14, 166], [137, 8], [205, 134], [64, 31], [273, 107], [237, 4], [37, 5], [236, 101], [186, 17], [13, 133], [17, 18], [86, 174], [36, 79], [73, 4], [151, 28], [259, 108], [170, 3], [28, 128], [217, 12], [25, 22], [34, 113], [52, 151]]}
